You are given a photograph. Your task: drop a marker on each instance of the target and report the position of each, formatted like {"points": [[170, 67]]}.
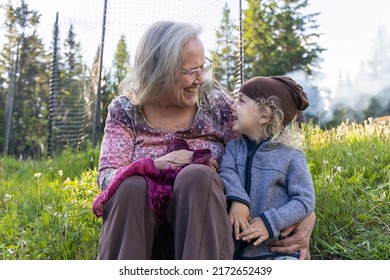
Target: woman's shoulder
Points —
{"points": [[218, 96], [122, 109], [122, 104], [217, 102]]}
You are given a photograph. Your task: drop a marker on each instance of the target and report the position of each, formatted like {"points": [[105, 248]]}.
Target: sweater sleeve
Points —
{"points": [[118, 144], [228, 172], [300, 189]]}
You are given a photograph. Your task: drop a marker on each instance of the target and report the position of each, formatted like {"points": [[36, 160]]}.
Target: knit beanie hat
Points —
{"points": [[291, 96]]}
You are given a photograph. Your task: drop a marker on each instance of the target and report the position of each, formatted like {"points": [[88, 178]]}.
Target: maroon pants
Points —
{"points": [[196, 219]]}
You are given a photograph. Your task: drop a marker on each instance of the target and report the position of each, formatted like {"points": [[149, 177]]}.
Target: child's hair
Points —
{"points": [[284, 97], [275, 128]]}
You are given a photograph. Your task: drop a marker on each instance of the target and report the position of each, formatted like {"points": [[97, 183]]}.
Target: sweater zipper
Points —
{"points": [[248, 173], [249, 160], [248, 165]]}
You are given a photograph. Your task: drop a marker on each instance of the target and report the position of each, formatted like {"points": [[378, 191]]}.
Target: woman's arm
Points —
{"points": [[117, 148], [297, 237]]}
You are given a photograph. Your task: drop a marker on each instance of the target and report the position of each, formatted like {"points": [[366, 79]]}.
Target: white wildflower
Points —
{"points": [[23, 243], [7, 197], [11, 251], [37, 175]]}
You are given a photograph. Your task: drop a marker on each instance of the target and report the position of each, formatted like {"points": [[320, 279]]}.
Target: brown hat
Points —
{"points": [[291, 95]]}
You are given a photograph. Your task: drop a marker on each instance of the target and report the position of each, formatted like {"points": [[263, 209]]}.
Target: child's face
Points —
{"points": [[247, 116]]}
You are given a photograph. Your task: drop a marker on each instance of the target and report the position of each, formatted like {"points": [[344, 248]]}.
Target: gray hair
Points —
{"points": [[158, 55]]}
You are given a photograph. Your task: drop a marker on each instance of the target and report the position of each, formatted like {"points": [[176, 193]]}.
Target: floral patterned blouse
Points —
{"points": [[129, 137]]}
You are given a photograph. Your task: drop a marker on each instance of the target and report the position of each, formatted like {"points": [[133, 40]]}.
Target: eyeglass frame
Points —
{"points": [[201, 71]]}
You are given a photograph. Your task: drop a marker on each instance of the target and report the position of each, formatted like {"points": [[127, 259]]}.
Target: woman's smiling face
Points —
{"points": [[187, 85]]}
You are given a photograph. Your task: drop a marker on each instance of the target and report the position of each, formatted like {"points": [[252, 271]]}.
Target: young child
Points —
{"points": [[267, 182]]}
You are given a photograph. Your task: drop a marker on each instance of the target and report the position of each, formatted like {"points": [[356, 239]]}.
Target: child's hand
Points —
{"points": [[256, 229], [239, 217]]}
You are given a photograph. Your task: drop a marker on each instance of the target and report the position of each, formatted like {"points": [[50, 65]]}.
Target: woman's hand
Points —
{"points": [[239, 217], [299, 240], [174, 159]]}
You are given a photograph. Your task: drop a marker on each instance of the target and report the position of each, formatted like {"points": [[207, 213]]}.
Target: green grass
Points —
{"points": [[350, 166], [45, 206]]}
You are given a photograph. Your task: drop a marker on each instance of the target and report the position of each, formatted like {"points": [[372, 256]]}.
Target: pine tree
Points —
{"points": [[278, 39], [24, 51], [121, 67], [70, 114], [378, 73], [379, 62], [121, 64], [226, 54]]}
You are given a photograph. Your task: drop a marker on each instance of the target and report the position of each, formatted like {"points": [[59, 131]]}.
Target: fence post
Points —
{"points": [[53, 87], [96, 127]]}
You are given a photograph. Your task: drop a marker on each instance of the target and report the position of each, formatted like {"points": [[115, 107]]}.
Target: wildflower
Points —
{"points": [[37, 175], [7, 197], [23, 243], [325, 161], [60, 172], [339, 168], [12, 252], [56, 214]]}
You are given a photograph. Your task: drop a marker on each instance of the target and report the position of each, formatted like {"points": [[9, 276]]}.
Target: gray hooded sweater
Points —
{"points": [[274, 181]]}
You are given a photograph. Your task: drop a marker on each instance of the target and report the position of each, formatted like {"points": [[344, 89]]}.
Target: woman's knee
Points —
{"points": [[132, 189], [197, 177]]}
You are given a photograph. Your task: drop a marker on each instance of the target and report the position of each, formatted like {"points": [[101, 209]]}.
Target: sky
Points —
{"points": [[348, 27]]}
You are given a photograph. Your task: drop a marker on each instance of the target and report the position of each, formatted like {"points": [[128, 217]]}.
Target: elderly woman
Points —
{"points": [[169, 96]]}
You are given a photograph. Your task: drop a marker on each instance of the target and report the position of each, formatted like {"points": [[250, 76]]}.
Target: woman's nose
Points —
{"points": [[199, 80]]}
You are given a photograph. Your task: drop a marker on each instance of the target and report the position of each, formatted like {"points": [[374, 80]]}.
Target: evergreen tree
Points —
{"points": [[278, 39], [121, 67], [73, 64], [226, 54], [28, 86], [121, 64], [379, 71], [70, 113], [258, 41], [379, 62]]}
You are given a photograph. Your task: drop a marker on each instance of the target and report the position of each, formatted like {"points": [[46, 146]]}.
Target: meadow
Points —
{"points": [[45, 206]]}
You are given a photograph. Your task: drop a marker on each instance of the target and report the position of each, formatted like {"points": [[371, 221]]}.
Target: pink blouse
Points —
{"points": [[129, 137]]}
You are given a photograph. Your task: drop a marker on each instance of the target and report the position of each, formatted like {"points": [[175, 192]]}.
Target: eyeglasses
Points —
{"points": [[200, 71]]}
